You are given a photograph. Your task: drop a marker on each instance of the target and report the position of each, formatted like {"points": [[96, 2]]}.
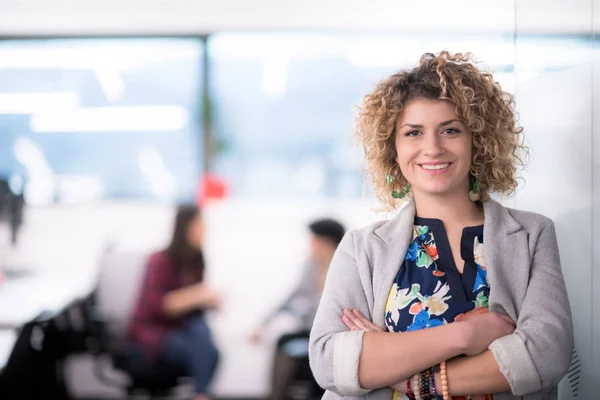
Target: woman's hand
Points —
{"points": [[206, 297], [355, 321], [482, 329]]}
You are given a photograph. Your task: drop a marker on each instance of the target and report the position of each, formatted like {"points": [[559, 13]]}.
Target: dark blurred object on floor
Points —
{"points": [[35, 366], [12, 204]]}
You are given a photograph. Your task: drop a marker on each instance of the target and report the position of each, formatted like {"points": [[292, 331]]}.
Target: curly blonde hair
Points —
{"points": [[479, 101]]}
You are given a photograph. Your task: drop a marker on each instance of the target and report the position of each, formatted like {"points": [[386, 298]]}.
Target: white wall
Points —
{"points": [[557, 111], [595, 148]]}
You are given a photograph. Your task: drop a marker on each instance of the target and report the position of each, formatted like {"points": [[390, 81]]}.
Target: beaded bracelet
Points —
{"points": [[425, 384], [433, 388], [444, 376], [416, 385], [409, 392]]}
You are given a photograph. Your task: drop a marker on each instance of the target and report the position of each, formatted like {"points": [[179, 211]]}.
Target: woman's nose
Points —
{"points": [[432, 146]]}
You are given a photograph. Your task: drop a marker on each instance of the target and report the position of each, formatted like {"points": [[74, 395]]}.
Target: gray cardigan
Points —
{"points": [[526, 282]]}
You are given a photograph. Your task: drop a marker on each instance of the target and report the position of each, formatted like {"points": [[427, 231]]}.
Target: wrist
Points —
{"points": [[401, 387], [460, 337]]}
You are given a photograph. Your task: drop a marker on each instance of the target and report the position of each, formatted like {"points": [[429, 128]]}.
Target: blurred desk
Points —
{"points": [[8, 339], [23, 298]]}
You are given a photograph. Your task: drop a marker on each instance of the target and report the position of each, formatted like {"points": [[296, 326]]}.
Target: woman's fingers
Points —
{"points": [[354, 320], [368, 324], [357, 323], [350, 323]]}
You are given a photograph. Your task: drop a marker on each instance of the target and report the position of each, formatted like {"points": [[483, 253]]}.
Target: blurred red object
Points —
{"points": [[212, 187]]}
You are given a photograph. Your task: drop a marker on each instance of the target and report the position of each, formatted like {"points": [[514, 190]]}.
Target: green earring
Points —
{"points": [[401, 194], [474, 192], [389, 179]]}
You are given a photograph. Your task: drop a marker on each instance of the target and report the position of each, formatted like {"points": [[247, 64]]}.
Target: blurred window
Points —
{"points": [[84, 119]]}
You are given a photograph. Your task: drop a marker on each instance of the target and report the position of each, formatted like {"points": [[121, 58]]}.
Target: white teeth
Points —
{"points": [[435, 167]]}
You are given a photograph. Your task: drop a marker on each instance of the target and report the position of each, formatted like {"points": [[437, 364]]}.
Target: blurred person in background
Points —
{"points": [[168, 324], [456, 295], [301, 304]]}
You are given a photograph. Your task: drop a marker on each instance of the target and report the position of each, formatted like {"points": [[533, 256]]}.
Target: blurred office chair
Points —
{"points": [[108, 310], [34, 368], [302, 385]]}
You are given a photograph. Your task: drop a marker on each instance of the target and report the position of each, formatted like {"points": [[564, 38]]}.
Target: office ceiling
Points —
{"points": [[98, 17]]}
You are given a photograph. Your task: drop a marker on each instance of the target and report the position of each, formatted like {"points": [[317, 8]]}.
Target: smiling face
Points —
{"points": [[434, 148]]}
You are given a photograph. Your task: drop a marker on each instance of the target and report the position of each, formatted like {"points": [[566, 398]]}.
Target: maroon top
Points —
{"points": [[149, 325]]}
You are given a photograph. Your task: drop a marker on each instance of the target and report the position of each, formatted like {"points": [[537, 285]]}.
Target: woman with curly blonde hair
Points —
{"points": [[456, 296]]}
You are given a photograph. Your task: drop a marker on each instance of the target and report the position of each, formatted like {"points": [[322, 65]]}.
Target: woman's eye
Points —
{"points": [[412, 133], [451, 131]]}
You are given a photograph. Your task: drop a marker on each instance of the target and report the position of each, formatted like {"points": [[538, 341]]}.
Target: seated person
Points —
{"points": [[302, 304], [168, 324]]}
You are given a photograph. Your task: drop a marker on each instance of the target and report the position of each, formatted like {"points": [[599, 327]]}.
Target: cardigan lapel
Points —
{"points": [[505, 249], [498, 219], [395, 236]]}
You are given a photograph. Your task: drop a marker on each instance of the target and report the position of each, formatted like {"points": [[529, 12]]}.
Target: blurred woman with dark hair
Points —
{"points": [[168, 323]]}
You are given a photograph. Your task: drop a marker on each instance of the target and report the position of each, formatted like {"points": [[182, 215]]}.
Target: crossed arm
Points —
{"points": [[533, 358], [472, 375]]}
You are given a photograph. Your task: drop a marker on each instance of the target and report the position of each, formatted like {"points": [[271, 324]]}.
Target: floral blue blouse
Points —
{"points": [[428, 290]]}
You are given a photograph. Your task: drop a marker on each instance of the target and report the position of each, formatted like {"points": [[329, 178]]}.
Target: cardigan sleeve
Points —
{"points": [[334, 351], [537, 355]]}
